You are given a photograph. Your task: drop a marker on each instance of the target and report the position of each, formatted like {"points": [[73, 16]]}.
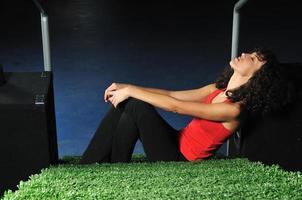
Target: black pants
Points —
{"points": [[121, 127]]}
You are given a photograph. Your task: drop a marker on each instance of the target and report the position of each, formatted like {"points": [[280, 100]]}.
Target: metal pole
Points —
{"points": [[45, 36], [236, 22], [235, 44], [45, 42]]}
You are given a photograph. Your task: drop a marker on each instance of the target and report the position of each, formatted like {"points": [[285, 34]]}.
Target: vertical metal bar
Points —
{"points": [[235, 44], [45, 42], [235, 34], [236, 23]]}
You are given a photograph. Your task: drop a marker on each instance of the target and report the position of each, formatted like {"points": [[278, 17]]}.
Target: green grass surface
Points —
{"points": [[210, 179]]}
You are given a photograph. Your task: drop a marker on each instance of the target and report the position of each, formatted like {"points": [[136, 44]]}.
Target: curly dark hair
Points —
{"points": [[265, 92]]}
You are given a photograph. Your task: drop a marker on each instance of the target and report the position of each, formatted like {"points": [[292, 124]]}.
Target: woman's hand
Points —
{"points": [[118, 96], [113, 87]]}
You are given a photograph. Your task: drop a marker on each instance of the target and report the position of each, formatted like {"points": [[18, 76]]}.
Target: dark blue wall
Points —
{"points": [[163, 44]]}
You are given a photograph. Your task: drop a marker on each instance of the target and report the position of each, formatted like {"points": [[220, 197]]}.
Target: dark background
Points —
{"points": [[165, 44]]}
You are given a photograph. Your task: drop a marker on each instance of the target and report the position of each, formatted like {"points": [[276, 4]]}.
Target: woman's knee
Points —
{"points": [[137, 103], [136, 106]]}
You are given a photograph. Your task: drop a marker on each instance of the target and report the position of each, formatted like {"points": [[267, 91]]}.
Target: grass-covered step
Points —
{"points": [[210, 179]]}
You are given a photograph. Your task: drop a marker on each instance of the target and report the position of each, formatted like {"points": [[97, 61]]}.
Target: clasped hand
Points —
{"points": [[116, 93]]}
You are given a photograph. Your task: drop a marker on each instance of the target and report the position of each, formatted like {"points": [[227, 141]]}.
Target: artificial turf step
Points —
{"points": [[209, 179]]}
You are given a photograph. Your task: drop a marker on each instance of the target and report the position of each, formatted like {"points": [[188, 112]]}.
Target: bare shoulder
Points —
{"points": [[212, 87]]}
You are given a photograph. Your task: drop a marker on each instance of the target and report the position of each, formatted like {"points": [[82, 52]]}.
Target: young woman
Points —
{"points": [[217, 110]]}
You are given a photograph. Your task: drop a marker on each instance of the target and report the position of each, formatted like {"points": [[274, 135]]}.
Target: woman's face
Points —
{"points": [[247, 64]]}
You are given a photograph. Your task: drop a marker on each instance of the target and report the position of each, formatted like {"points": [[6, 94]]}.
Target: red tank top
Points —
{"points": [[201, 137]]}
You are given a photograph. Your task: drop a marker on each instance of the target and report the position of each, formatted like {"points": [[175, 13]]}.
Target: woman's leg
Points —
{"points": [[119, 130], [99, 148], [124, 138], [114, 139], [159, 139]]}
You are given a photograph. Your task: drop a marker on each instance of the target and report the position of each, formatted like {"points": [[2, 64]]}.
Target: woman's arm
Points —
{"points": [[184, 95], [215, 112], [117, 86], [155, 90]]}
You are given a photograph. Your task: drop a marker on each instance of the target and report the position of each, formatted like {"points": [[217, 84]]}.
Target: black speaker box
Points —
{"points": [[276, 138], [28, 140]]}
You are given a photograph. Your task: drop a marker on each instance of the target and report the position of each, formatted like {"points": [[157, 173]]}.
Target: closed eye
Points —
{"points": [[254, 58]]}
